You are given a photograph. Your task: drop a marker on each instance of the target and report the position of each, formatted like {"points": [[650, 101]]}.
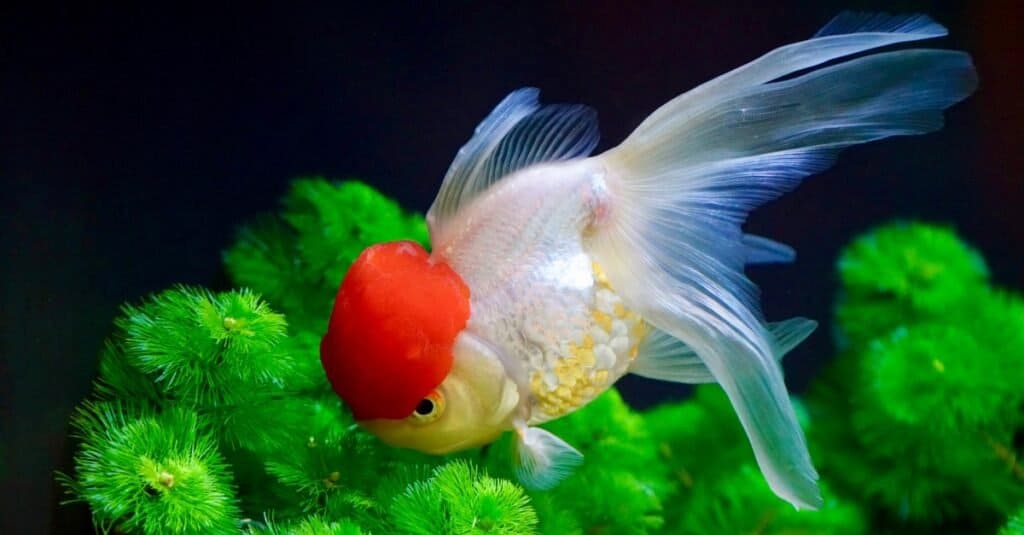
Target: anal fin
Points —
{"points": [[761, 250], [666, 358]]}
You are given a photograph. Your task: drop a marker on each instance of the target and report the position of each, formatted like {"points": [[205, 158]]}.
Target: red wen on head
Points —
{"points": [[395, 319]]}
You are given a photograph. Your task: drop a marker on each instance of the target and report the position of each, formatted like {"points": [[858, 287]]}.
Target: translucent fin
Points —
{"points": [[467, 169], [713, 167], [856, 22], [554, 132], [542, 459], [789, 333], [789, 59], [519, 132], [666, 358], [764, 251], [683, 183]]}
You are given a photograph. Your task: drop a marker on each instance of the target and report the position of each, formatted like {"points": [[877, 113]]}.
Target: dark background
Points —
{"points": [[133, 141]]}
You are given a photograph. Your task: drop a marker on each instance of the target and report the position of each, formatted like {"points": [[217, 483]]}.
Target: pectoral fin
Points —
{"points": [[542, 459]]}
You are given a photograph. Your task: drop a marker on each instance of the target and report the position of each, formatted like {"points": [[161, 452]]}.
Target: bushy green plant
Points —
{"points": [[211, 413], [152, 473], [903, 272], [296, 260], [918, 417]]}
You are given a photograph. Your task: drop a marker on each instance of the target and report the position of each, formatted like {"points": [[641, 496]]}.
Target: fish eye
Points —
{"points": [[425, 408], [429, 408]]}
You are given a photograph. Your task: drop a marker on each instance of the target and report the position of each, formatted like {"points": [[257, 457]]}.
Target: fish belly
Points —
{"points": [[581, 346]]}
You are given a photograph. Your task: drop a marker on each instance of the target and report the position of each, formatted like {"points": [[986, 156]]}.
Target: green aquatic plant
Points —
{"points": [[457, 498], [313, 525], [296, 259], [921, 416], [904, 272], [720, 488], [1015, 526], [211, 412], [620, 487], [152, 473]]}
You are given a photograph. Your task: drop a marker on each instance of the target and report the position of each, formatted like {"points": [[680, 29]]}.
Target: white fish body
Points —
{"points": [[584, 268]]}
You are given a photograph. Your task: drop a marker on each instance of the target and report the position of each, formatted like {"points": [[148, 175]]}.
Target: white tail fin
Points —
{"points": [[683, 183]]}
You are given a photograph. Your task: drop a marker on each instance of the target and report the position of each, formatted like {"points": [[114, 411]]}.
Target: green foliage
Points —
{"points": [[739, 501], [720, 488], [904, 272], [211, 411], [619, 487], [914, 372], [152, 473], [458, 499], [312, 525], [918, 417], [205, 349], [1015, 526], [297, 260]]}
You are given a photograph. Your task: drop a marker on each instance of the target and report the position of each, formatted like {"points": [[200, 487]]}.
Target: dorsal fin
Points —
{"points": [[519, 132]]}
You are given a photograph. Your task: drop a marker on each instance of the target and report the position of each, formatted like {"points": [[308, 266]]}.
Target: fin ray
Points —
{"points": [[666, 358], [553, 132], [519, 132], [541, 459], [761, 250], [839, 42], [857, 22], [684, 181]]}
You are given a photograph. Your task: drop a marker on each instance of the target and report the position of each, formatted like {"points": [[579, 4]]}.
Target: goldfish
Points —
{"points": [[553, 272]]}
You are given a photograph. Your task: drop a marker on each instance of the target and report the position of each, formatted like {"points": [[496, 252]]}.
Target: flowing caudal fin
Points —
{"points": [[683, 182]]}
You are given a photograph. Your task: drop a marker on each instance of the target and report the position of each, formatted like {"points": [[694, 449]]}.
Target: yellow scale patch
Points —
{"points": [[580, 376]]}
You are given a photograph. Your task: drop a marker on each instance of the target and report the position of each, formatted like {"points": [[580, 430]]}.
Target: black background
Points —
{"points": [[135, 140]]}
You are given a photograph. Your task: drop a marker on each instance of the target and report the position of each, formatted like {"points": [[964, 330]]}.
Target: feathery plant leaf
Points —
{"points": [[312, 525], [737, 500], [916, 372], [204, 348], [919, 417], [420, 510], [151, 473], [458, 499], [118, 378], [317, 463], [904, 272]]}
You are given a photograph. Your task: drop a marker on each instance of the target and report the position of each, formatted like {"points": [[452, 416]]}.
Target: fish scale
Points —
{"points": [[568, 374]]}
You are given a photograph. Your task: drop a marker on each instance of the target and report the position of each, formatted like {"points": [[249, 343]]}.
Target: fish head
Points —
{"points": [[395, 354], [473, 406]]}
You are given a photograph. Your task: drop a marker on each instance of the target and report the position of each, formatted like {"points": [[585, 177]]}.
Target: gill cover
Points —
{"points": [[395, 319]]}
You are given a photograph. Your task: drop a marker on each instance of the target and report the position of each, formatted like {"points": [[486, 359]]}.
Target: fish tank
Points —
{"points": [[534, 268]]}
